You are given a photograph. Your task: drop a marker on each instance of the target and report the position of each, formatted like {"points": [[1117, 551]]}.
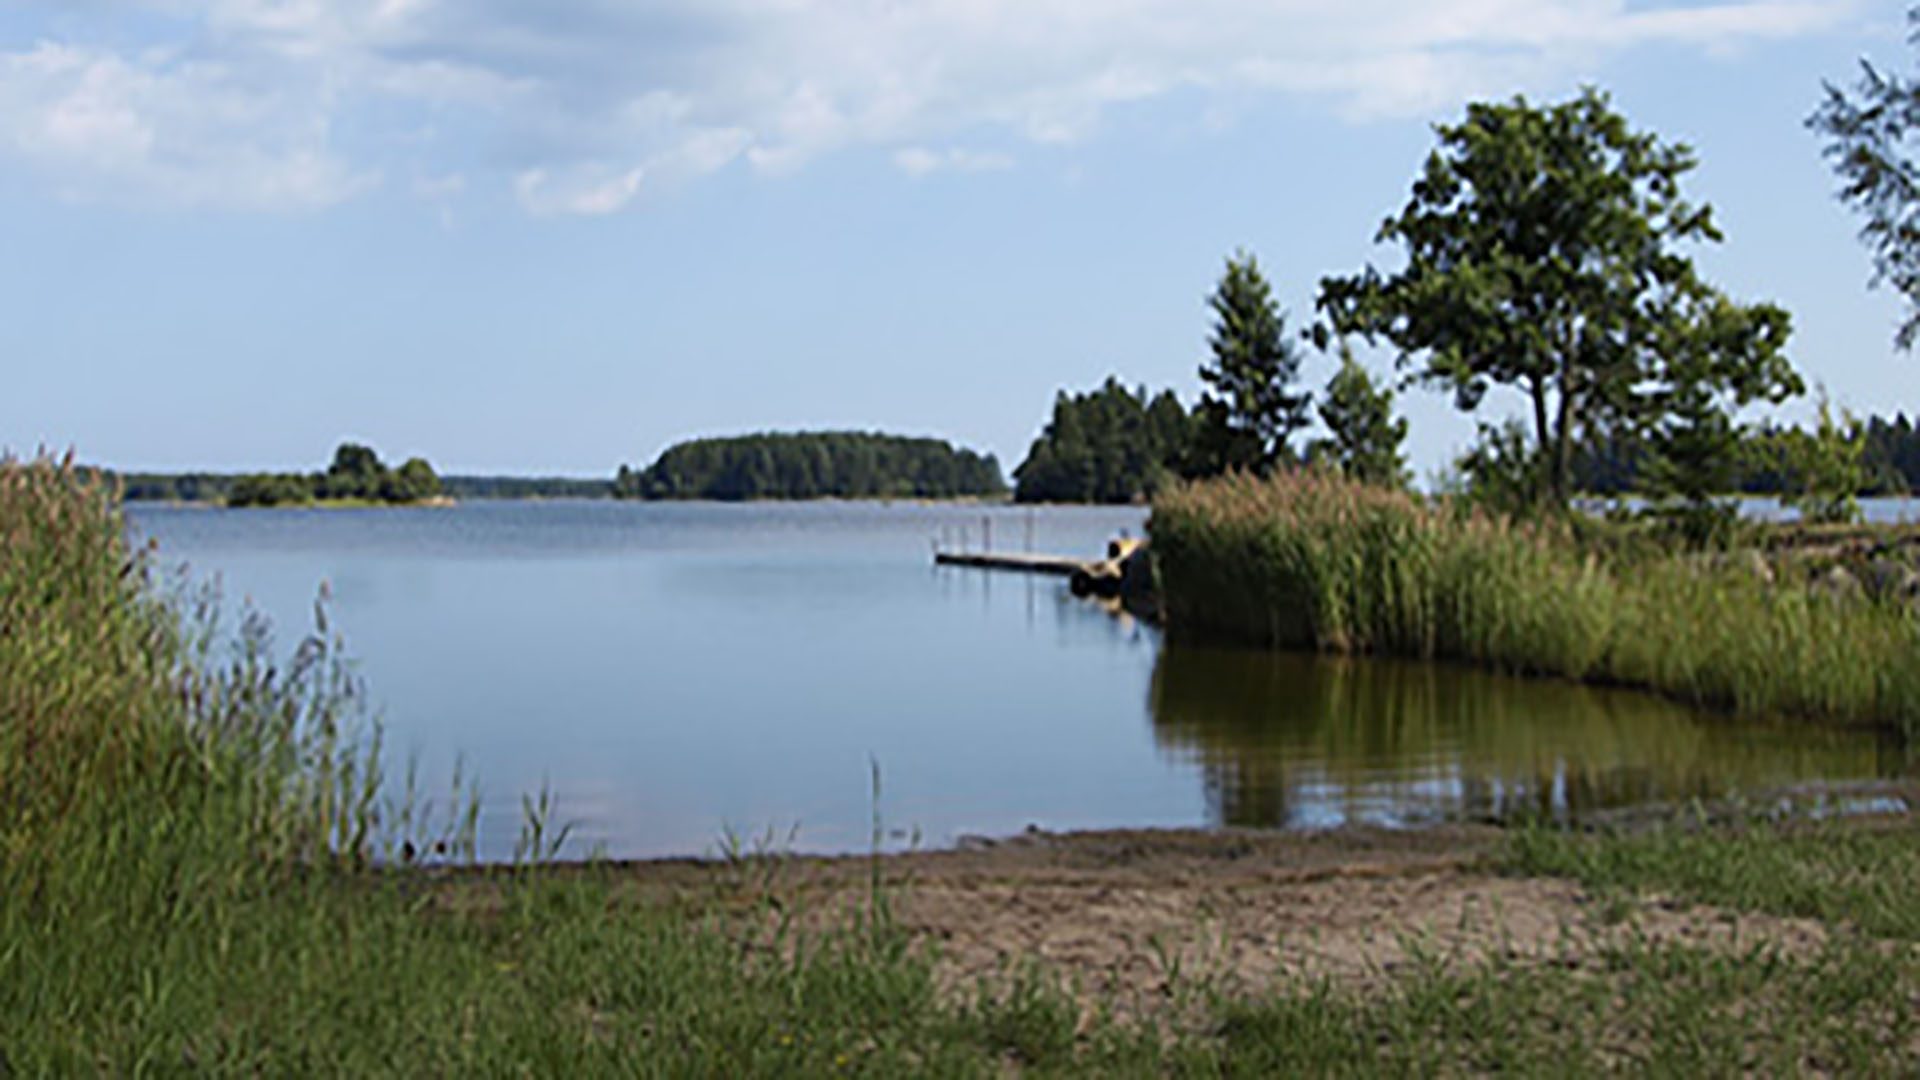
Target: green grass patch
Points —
{"points": [[1637, 1007], [1837, 872], [1311, 560]]}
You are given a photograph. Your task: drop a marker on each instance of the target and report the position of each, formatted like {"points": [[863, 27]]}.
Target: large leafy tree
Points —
{"points": [[1250, 409], [1541, 256], [1870, 141]]}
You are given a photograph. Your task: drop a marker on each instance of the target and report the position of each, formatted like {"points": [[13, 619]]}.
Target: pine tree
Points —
{"points": [[1249, 410]]}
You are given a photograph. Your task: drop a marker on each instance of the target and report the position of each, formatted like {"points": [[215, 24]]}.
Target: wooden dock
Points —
{"points": [[1058, 565]]}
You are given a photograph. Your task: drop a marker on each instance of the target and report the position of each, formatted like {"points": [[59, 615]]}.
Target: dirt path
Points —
{"points": [[1133, 918]]}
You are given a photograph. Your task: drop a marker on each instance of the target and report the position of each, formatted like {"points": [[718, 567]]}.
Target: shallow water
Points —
{"points": [[672, 672]]}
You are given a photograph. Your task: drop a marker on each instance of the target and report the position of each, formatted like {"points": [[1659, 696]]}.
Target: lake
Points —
{"points": [[673, 672]]}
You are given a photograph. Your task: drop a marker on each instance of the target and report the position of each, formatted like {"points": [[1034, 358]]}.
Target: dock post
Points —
{"points": [[986, 533]]}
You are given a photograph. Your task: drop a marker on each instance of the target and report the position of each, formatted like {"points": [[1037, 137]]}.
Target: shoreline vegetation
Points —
{"points": [[203, 868], [1312, 560]]}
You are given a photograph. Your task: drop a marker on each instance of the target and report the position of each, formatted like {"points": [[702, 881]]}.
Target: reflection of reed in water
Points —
{"points": [[1294, 739]]}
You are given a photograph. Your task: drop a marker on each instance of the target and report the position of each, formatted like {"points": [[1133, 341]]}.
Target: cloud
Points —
{"points": [[98, 125], [275, 104], [588, 189], [919, 161]]}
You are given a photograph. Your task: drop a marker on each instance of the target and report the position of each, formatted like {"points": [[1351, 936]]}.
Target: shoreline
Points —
{"points": [[1120, 917]]}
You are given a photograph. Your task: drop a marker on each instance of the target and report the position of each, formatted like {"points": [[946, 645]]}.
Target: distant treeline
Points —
{"points": [[1888, 453], [812, 465], [193, 487], [204, 487], [357, 475], [1110, 445], [525, 487]]}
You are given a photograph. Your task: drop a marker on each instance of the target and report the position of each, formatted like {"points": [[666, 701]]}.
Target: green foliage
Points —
{"points": [[356, 475], [217, 487], [1826, 467], [1539, 246], [1363, 436], [1249, 410], [526, 487], [412, 482], [193, 487], [1892, 455], [271, 489], [1109, 445], [1316, 561], [1501, 469], [1692, 442], [1870, 143], [1761, 462], [813, 465]]}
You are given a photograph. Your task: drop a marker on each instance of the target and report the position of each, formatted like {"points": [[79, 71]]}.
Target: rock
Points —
{"points": [[1888, 579]]}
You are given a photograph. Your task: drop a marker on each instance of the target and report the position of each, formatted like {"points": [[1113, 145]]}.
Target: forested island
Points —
{"points": [[814, 465], [356, 475]]}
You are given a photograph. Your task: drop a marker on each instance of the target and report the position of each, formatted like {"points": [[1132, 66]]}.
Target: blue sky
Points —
{"points": [[553, 237]]}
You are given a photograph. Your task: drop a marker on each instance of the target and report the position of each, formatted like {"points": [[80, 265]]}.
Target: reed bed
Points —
{"points": [[1311, 560]]}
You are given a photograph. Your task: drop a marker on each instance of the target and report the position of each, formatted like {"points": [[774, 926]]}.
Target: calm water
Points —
{"points": [[672, 671]]}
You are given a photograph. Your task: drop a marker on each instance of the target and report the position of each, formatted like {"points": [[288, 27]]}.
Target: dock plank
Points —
{"points": [[993, 560]]}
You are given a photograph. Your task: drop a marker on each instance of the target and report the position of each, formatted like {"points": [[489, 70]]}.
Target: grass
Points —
{"points": [[201, 871], [1836, 872], [1310, 560]]}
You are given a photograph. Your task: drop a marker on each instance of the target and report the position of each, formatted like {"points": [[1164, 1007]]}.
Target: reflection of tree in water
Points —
{"points": [[1289, 739]]}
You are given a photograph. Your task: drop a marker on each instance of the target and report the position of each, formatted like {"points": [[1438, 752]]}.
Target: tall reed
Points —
{"points": [[1312, 560]]}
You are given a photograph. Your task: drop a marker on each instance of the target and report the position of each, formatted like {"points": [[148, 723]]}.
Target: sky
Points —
{"points": [[553, 237]]}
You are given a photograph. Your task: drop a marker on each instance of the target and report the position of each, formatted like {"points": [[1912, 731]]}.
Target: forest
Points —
{"points": [[813, 465]]}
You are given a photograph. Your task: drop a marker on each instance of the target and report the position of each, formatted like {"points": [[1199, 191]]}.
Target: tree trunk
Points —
{"points": [[1541, 434], [1563, 437]]}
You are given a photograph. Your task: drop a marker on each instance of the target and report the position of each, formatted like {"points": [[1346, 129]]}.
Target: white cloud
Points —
{"points": [[588, 189], [98, 125], [301, 103], [919, 161]]}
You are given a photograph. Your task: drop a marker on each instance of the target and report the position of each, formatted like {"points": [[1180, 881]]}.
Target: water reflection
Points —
{"points": [[1297, 741]]}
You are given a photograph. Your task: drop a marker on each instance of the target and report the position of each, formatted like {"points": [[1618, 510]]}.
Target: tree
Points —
{"points": [[1826, 468], [1540, 257], [1869, 141], [412, 482], [356, 473], [1110, 445], [1249, 412], [1363, 437], [1691, 440]]}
